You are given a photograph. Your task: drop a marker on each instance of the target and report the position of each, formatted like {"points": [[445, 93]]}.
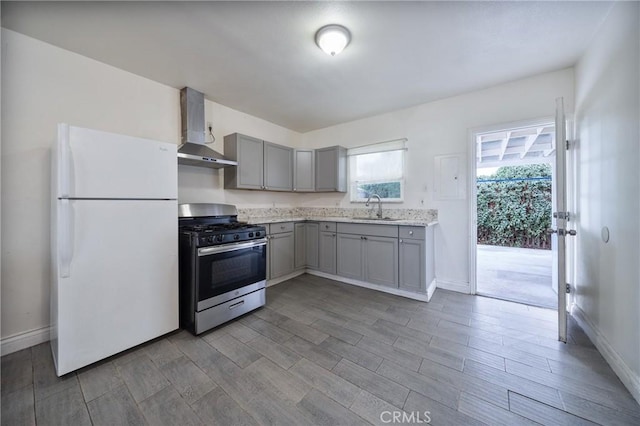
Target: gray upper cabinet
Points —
{"points": [[304, 170], [278, 167], [331, 169], [248, 152], [261, 164]]}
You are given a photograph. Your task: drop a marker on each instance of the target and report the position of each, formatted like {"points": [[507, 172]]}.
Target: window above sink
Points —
{"points": [[377, 169]]}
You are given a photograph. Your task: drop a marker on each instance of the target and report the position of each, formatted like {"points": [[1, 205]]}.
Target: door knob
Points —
{"points": [[551, 231]]}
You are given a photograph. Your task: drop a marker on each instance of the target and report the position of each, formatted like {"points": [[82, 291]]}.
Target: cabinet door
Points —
{"points": [[327, 252], [412, 265], [311, 248], [304, 170], [281, 247], [278, 167], [350, 256], [381, 261], [326, 169], [250, 159], [300, 256]]}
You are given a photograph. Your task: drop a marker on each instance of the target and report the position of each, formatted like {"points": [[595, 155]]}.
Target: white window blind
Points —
{"points": [[377, 169]]}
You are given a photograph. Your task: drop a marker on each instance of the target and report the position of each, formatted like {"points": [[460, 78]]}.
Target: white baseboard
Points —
{"points": [[395, 291], [285, 277], [459, 286], [24, 340], [628, 377], [431, 288]]}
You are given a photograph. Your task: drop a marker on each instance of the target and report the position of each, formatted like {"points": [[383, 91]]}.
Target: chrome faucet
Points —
{"points": [[379, 214]]}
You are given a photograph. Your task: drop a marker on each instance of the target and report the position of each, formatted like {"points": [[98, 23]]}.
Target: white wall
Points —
{"points": [[608, 192], [440, 128], [43, 85]]}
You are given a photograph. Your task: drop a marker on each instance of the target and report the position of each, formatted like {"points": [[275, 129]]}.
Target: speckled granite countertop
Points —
{"points": [[280, 219], [410, 217]]}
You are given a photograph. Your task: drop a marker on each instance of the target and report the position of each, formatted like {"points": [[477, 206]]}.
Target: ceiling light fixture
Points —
{"points": [[332, 39]]}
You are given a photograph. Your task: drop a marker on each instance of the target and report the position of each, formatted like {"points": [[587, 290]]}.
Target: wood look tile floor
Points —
{"points": [[327, 353]]}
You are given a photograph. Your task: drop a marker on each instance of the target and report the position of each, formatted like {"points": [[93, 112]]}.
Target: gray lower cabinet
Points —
{"points": [[300, 256], [412, 265], [281, 249], [306, 245], [312, 236], [350, 256], [304, 170], [331, 169], [327, 251], [380, 260], [368, 253]]}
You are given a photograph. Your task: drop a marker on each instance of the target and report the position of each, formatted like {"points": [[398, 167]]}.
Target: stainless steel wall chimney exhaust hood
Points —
{"points": [[193, 150]]}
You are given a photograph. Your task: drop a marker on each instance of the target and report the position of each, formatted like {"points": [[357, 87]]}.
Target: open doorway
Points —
{"points": [[514, 176]]}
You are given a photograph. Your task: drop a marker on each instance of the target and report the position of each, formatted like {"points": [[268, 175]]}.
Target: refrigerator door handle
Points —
{"points": [[65, 235], [64, 161]]}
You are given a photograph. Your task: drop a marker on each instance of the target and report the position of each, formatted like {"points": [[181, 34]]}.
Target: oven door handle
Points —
{"points": [[224, 248]]}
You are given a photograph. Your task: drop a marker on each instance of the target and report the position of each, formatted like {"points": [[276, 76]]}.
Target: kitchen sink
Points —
{"points": [[383, 219]]}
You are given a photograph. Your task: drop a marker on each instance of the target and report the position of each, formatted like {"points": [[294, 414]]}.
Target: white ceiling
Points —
{"points": [[260, 57]]}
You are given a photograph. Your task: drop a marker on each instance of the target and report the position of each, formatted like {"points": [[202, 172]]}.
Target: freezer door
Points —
{"points": [[95, 164], [116, 280]]}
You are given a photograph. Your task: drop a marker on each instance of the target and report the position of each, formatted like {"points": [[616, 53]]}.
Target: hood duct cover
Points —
{"points": [[193, 150]]}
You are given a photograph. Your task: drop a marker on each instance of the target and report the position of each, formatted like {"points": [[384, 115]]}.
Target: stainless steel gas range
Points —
{"points": [[222, 266]]}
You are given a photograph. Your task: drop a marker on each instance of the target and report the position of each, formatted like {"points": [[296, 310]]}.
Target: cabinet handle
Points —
{"points": [[410, 232], [401, 241], [333, 235], [294, 189], [282, 227]]}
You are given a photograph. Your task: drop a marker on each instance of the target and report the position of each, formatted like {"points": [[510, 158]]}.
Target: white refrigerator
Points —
{"points": [[114, 244]]}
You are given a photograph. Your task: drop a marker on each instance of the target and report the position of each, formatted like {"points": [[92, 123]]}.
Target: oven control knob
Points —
{"points": [[220, 237], [258, 234], [250, 234], [210, 239], [236, 237]]}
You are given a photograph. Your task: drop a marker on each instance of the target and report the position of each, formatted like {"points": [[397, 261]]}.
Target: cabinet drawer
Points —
{"points": [[278, 228], [366, 229], [412, 232], [328, 226]]}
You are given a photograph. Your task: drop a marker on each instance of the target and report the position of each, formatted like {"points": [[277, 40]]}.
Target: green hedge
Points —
{"points": [[515, 213]]}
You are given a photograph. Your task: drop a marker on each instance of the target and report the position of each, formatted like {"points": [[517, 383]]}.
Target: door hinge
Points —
{"points": [[567, 288], [567, 145], [562, 215]]}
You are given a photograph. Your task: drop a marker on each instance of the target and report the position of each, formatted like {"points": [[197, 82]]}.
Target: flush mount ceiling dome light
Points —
{"points": [[332, 39]]}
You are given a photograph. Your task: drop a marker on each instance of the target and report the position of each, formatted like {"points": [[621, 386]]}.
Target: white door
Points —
{"points": [[115, 282], [95, 164], [559, 230]]}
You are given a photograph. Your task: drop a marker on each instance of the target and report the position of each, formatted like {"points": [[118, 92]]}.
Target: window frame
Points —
{"points": [[389, 146]]}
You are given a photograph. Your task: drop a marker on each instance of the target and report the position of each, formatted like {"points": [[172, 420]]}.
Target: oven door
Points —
{"points": [[228, 267]]}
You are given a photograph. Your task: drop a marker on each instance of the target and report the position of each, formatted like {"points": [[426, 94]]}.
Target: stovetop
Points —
{"points": [[210, 234], [216, 227]]}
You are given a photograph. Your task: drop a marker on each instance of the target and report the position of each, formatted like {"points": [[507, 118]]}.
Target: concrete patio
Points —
{"points": [[516, 274]]}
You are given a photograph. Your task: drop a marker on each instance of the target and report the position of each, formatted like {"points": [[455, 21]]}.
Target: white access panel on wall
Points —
{"points": [[450, 177]]}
